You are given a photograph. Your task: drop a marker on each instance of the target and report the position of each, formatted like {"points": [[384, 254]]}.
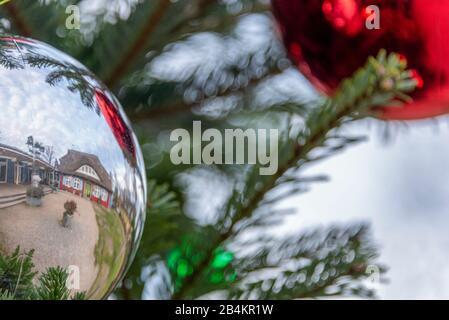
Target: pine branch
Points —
{"points": [[16, 274], [201, 8], [223, 73], [382, 82], [6, 295], [115, 40], [203, 12], [151, 26], [319, 262], [53, 285], [139, 44], [305, 266], [182, 107]]}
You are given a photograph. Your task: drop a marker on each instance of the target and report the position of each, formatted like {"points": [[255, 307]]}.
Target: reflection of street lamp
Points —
{"points": [[30, 143], [34, 147]]}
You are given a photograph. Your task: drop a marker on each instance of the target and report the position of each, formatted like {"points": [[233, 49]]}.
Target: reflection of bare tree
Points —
{"points": [[36, 148], [48, 154]]}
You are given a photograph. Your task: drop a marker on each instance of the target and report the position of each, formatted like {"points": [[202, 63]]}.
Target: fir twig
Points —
{"points": [[382, 81]]}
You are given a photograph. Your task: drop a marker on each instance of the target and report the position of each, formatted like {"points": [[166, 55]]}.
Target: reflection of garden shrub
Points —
{"points": [[70, 208], [19, 280], [35, 192]]}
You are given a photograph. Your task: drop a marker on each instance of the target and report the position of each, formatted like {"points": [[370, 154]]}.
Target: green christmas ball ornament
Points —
{"points": [[72, 178]]}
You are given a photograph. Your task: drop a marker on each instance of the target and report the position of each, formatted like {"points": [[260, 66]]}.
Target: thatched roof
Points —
{"points": [[74, 160], [21, 156]]}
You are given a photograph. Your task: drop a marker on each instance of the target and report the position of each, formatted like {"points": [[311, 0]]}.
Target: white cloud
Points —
{"points": [[54, 116]]}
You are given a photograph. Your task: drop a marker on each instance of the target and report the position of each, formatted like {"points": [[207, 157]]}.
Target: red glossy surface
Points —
{"points": [[328, 41], [115, 121]]}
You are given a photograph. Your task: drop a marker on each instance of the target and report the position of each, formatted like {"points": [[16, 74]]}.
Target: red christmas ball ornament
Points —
{"points": [[328, 40]]}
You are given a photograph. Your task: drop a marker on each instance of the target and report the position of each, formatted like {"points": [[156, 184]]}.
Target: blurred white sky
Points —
{"points": [[402, 188]]}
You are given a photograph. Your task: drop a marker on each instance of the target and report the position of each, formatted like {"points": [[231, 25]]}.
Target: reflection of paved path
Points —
{"points": [[40, 229], [11, 195], [11, 189]]}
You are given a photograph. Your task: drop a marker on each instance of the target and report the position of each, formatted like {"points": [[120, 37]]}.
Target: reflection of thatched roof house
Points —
{"points": [[16, 166], [83, 174]]}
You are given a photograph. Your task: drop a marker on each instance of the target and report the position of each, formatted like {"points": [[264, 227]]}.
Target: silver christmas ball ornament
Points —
{"points": [[72, 178]]}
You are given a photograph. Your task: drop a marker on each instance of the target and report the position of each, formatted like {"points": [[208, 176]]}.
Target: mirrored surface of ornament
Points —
{"points": [[72, 180]]}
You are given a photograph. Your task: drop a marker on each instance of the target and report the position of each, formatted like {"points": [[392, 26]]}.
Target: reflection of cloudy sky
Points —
{"points": [[54, 116]]}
